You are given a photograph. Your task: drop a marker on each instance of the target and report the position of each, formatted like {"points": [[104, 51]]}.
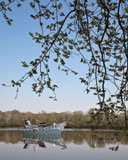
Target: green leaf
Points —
{"points": [[24, 64], [34, 71], [31, 34], [32, 5], [18, 5], [59, 5], [9, 9], [62, 62], [62, 14]]}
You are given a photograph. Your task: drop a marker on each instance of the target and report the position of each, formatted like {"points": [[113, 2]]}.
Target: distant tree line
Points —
{"points": [[78, 119]]}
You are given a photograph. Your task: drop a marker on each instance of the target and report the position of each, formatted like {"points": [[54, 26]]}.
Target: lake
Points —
{"points": [[71, 145]]}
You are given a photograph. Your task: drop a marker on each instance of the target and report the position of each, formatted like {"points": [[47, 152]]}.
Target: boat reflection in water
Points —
{"points": [[40, 140]]}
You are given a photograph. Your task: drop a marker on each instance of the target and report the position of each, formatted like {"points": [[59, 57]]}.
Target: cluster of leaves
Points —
{"points": [[97, 32], [5, 7]]}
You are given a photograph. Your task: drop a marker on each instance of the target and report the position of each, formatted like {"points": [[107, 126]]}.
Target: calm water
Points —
{"points": [[73, 145]]}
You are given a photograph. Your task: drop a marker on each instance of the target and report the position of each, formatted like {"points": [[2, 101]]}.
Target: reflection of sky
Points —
{"points": [[73, 152]]}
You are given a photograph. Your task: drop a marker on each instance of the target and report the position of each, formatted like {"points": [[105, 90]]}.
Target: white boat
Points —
{"points": [[56, 128]]}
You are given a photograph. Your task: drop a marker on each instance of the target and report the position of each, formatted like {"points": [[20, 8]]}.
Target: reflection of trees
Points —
{"points": [[10, 136], [95, 139], [74, 137]]}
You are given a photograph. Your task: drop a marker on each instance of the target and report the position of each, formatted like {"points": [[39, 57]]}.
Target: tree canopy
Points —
{"points": [[95, 31]]}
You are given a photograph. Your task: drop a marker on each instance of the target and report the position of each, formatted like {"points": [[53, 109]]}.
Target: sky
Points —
{"points": [[15, 46]]}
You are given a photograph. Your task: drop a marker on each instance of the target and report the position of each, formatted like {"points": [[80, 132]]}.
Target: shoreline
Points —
{"points": [[68, 129]]}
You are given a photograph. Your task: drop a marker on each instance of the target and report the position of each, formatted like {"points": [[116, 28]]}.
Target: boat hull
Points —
{"points": [[49, 130]]}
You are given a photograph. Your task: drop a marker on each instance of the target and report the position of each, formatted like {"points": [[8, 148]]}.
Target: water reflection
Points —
{"points": [[94, 139], [116, 148], [72, 145], [40, 140], [9, 136]]}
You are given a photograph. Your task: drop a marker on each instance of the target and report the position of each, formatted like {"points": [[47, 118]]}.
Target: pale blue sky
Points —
{"points": [[16, 46]]}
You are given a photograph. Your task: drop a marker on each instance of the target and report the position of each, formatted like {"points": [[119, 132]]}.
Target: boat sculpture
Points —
{"points": [[54, 129]]}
